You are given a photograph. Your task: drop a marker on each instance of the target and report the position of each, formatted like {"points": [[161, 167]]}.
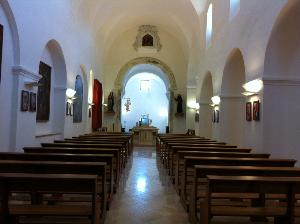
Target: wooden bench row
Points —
{"points": [[204, 177]]}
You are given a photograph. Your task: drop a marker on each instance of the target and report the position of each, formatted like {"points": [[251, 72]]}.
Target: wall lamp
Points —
{"points": [[216, 100], [253, 87], [70, 93]]}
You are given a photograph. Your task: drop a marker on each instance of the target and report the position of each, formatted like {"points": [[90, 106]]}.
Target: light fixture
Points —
{"points": [[193, 105], [70, 93], [253, 87], [216, 100]]}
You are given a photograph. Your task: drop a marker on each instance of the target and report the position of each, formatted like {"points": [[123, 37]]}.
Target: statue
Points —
{"points": [[110, 105], [179, 103]]}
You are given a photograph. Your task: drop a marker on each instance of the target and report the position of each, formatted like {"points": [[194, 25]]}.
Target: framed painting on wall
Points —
{"points": [[249, 111], [256, 111], [1, 47], [32, 105], [217, 118], [24, 100]]}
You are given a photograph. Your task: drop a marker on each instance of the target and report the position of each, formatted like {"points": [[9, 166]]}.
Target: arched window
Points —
{"points": [[234, 8], [209, 24], [147, 41]]}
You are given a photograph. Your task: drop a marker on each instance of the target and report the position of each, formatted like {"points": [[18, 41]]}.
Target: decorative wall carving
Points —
{"points": [[143, 38]]}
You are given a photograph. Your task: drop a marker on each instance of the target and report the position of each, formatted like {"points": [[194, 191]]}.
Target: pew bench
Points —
{"points": [[179, 160], [117, 165], [190, 162], [49, 184], [251, 184], [199, 186]]}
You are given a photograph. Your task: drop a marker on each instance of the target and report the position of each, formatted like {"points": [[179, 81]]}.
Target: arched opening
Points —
{"points": [[232, 116], [9, 90], [149, 65], [147, 41], [145, 94], [205, 110], [53, 57], [281, 85]]}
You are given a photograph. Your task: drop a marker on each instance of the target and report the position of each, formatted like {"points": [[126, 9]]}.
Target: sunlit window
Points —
{"points": [[145, 85], [209, 25], [234, 8]]}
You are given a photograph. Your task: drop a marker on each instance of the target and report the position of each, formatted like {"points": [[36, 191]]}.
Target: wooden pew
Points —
{"points": [[106, 158], [199, 185], [170, 148], [123, 156], [53, 167], [172, 158], [117, 166], [252, 184], [190, 162], [49, 183], [179, 162]]}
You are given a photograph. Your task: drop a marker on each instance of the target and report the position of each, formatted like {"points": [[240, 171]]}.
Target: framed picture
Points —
{"points": [[24, 100], [197, 117], [214, 116], [256, 111], [217, 119], [249, 111], [32, 105]]}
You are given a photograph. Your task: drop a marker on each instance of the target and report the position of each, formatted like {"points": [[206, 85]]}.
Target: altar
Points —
{"points": [[146, 135]]}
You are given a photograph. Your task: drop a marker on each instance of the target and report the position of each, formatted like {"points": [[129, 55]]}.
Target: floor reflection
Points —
{"points": [[146, 195]]}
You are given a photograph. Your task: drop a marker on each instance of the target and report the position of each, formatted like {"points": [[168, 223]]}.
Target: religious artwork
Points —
{"points": [[1, 47], [256, 111], [24, 100], [217, 113], [110, 105], [196, 117], [127, 104], [179, 104], [43, 93], [97, 106], [77, 106], [32, 105], [249, 111]]}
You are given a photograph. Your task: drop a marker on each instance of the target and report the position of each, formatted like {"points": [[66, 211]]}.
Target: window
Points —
{"points": [[209, 25], [147, 41], [234, 8], [145, 85]]}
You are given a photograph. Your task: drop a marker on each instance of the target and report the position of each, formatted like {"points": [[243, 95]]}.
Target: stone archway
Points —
{"points": [[120, 81]]}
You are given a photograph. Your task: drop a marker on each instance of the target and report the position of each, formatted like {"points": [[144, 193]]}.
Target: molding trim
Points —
{"points": [[22, 71], [289, 81]]}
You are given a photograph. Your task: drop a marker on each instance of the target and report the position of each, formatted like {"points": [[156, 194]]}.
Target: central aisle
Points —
{"points": [[146, 195]]}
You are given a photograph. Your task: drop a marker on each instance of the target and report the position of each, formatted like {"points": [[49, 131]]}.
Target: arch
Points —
{"points": [[14, 30], [147, 41], [281, 84], [145, 60], [232, 122], [284, 43], [205, 111]]}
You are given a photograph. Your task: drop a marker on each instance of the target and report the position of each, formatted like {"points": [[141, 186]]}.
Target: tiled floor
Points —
{"points": [[146, 195]]}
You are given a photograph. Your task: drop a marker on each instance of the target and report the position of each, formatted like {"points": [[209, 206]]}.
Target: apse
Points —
{"points": [[145, 94]]}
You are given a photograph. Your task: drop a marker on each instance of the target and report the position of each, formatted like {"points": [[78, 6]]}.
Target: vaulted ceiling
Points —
{"points": [[110, 18]]}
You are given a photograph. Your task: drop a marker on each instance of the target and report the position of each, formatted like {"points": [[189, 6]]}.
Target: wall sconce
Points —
{"points": [[193, 105], [70, 93], [253, 87], [216, 100]]}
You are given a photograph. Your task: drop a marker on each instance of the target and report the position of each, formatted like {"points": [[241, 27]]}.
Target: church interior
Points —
{"points": [[149, 111]]}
